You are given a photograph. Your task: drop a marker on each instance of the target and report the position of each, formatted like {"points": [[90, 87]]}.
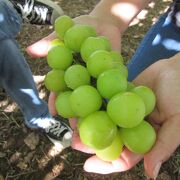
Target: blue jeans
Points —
{"points": [[161, 41], [15, 75]]}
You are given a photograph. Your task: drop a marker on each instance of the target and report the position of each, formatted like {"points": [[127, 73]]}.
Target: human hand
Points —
{"points": [[163, 78], [41, 47]]}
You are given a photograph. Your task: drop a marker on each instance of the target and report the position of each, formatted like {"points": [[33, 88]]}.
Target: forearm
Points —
{"points": [[119, 12]]}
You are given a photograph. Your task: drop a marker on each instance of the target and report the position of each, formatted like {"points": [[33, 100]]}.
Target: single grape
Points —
{"points": [[126, 109], [111, 82], [113, 151], [63, 106], [76, 35], [85, 100], [54, 81], [76, 75], [130, 86], [139, 139], [91, 44], [98, 62], [80, 120], [56, 42], [97, 130], [59, 57], [148, 97], [117, 57], [106, 42], [122, 68], [62, 24]]}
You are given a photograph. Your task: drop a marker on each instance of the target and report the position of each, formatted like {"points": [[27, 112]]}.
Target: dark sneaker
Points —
{"points": [[59, 133], [38, 12]]}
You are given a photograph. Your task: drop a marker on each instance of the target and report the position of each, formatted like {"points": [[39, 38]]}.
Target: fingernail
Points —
{"points": [[156, 170]]}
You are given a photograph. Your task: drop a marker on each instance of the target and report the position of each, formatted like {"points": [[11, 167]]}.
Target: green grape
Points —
{"points": [[139, 139], [130, 86], [113, 151], [98, 62], [106, 42], [62, 24], [76, 35], [148, 97], [97, 130], [91, 44], [126, 109], [76, 75], [85, 100], [59, 57], [79, 122], [117, 57], [122, 68], [56, 42], [54, 81], [63, 106], [111, 82]]}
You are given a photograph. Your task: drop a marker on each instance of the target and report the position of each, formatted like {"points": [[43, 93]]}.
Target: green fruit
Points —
{"points": [[139, 139], [148, 97], [113, 151], [126, 109], [59, 57], [98, 62], [76, 75], [130, 86], [62, 24], [92, 44], [56, 42], [85, 100], [106, 42], [111, 82], [97, 130], [117, 57], [63, 106], [122, 68], [76, 35], [54, 81]]}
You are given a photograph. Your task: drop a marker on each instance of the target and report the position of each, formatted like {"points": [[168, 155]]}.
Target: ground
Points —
{"points": [[25, 154]]}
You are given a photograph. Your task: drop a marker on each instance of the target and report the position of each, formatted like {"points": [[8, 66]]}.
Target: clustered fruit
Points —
{"points": [[91, 82]]}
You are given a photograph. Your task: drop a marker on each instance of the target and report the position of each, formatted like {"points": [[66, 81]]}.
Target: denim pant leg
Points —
{"points": [[161, 41], [15, 75]]}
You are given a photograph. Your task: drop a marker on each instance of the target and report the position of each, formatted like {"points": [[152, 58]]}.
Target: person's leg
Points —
{"points": [[16, 78], [162, 41]]}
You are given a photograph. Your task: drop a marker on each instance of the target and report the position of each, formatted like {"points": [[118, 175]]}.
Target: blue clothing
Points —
{"points": [[161, 41], [15, 75]]}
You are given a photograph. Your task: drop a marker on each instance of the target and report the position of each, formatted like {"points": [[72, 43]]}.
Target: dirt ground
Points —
{"points": [[28, 155]]}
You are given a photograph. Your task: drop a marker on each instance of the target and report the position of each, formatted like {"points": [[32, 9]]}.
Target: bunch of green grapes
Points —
{"points": [[91, 82]]}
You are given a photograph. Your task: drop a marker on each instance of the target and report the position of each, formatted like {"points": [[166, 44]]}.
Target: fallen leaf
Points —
{"points": [[32, 140]]}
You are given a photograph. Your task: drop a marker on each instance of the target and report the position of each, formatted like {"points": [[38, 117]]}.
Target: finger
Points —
{"points": [[40, 48], [73, 123], [167, 142], [125, 162], [115, 42], [78, 145], [51, 103]]}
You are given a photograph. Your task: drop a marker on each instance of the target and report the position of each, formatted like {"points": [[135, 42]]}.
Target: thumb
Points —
{"points": [[51, 103], [40, 48], [167, 142]]}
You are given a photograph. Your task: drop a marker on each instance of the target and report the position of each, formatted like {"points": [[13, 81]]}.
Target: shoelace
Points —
{"points": [[38, 14], [56, 128]]}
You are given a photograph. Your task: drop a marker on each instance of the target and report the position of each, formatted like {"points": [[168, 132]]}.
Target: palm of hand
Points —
{"points": [[103, 29], [163, 78]]}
